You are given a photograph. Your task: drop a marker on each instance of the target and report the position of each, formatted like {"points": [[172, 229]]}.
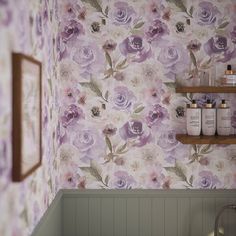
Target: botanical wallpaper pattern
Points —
{"points": [[110, 112], [29, 27], [119, 113]]}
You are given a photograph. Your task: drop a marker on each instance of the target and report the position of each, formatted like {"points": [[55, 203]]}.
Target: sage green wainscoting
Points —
{"points": [[143, 212], [50, 223]]}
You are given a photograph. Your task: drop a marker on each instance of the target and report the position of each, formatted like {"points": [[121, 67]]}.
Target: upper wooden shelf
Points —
{"points": [[206, 89], [187, 139]]}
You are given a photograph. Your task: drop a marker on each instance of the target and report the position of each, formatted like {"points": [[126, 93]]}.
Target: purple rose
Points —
{"points": [[122, 180], [206, 13], [71, 30], [157, 115], [123, 98], [167, 140], [220, 45], [207, 180], [89, 57], [89, 143], [233, 35], [156, 30], [136, 47], [122, 14], [135, 130], [71, 115], [174, 58]]}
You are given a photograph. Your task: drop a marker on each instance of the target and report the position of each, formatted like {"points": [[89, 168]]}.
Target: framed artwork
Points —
{"points": [[26, 119]]}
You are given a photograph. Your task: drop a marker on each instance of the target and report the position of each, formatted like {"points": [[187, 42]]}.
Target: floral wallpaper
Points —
{"points": [[29, 27], [110, 112], [119, 113]]}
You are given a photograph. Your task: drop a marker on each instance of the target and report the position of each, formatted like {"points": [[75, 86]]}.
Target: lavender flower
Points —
{"points": [[156, 30], [207, 13], [194, 45], [201, 101], [109, 130], [122, 180], [123, 98], [89, 57], [109, 45], [89, 143], [71, 30], [207, 180], [157, 115], [135, 130], [220, 45], [174, 58], [71, 115], [121, 14], [137, 47]]}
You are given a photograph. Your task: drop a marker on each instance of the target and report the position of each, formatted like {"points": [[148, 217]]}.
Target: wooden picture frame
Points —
{"points": [[26, 117]]}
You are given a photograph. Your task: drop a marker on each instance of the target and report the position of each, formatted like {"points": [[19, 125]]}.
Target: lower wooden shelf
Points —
{"points": [[187, 139]]}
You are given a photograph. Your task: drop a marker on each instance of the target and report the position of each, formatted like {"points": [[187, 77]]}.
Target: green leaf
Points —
{"points": [[139, 25], [94, 3], [107, 180], [106, 11], [93, 87], [121, 148], [24, 215], [93, 170], [108, 58], [179, 4], [178, 171], [206, 149], [139, 109], [194, 146], [223, 25], [106, 95], [109, 145], [191, 10], [121, 64], [193, 58], [170, 84], [191, 179]]}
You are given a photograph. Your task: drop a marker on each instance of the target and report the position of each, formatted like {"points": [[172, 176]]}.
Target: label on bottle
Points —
{"points": [[193, 121], [209, 121], [223, 121]]}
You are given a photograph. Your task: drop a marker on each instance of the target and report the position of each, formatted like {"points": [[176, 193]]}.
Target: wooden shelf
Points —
{"points": [[187, 139], [206, 89]]}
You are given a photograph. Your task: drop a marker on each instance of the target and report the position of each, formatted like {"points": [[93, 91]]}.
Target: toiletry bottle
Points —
{"points": [[223, 119], [193, 114], [208, 119], [229, 77]]}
